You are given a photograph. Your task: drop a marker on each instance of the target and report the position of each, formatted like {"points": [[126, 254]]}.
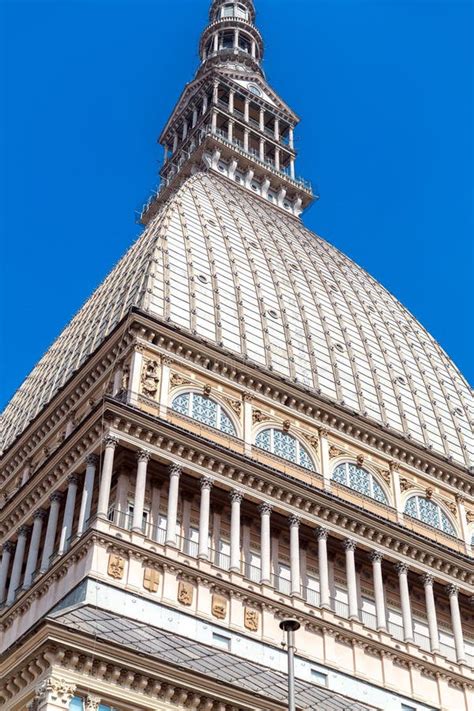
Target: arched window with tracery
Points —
{"points": [[205, 410], [429, 512], [285, 446], [360, 480]]}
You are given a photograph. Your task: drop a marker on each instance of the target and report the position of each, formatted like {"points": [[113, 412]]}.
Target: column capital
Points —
{"points": [[143, 455], [174, 469], [322, 533], [24, 531], [41, 513], [111, 441], [376, 556], [92, 460], [57, 688], [324, 432], [8, 547], [294, 521], [206, 482], [265, 508], [452, 590], [427, 579], [349, 544], [56, 497], [236, 496], [401, 568], [92, 702], [73, 479]]}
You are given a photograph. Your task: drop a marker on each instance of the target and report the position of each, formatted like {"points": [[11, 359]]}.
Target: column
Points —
{"points": [[48, 547], [118, 379], [53, 694], [231, 101], [32, 560], [350, 546], [214, 121], [236, 39], [277, 158], [7, 551], [165, 152], [431, 612], [402, 570], [262, 149], [68, 517], [85, 511], [136, 366], [215, 92], [110, 443], [246, 110], [216, 42], [453, 592], [325, 465], [26, 472], [294, 522], [175, 142], [262, 120], [236, 499], [246, 139], [254, 49], [204, 104], [121, 500], [291, 138], [172, 519], [140, 487], [292, 168], [322, 534], [265, 510], [230, 131], [23, 532], [195, 116], [204, 512], [377, 558], [276, 129]]}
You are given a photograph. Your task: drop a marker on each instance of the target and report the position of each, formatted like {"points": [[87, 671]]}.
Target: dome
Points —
{"points": [[236, 271]]}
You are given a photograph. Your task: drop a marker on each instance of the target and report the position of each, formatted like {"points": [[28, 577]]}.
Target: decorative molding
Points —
{"points": [[258, 416], [219, 606], [116, 566], [150, 378], [251, 619], [185, 593]]}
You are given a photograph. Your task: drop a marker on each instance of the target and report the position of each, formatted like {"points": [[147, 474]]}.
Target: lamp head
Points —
{"points": [[289, 625]]}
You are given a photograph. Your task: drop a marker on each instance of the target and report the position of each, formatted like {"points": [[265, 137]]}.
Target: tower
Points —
{"points": [[240, 426], [230, 121]]}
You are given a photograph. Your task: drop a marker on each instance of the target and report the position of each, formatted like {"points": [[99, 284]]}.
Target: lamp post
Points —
{"points": [[290, 627]]}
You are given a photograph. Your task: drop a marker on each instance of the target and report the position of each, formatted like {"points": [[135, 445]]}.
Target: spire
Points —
{"points": [[230, 121], [231, 36]]}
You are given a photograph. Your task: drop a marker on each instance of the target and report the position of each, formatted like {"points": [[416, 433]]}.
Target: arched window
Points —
{"points": [[285, 446], [205, 410], [354, 477], [430, 513]]}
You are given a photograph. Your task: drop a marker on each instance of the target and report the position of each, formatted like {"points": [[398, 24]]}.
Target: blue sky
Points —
{"points": [[385, 92]]}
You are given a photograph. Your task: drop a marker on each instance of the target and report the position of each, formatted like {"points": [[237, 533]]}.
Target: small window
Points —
{"points": [[202, 278], [285, 446], [205, 410], [405, 707], [221, 641], [429, 512], [319, 677], [358, 479]]}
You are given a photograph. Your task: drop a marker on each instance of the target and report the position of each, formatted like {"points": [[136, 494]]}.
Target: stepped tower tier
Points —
{"points": [[229, 120]]}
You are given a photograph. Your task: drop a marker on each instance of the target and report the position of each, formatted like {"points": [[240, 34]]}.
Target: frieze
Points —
{"points": [[116, 566], [150, 378]]}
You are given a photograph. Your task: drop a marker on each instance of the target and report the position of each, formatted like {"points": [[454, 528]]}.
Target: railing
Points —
{"points": [[369, 619], [447, 651], [396, 630], [312, 597]]}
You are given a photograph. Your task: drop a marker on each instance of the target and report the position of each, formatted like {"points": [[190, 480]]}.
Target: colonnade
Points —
{"points": [[13, 556]]}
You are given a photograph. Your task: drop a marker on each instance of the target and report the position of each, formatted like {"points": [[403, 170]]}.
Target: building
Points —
{"points": [[240, 425]]}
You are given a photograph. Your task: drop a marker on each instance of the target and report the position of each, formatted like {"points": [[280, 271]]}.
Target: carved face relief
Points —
{"points": [[251, 619], [219, 606], [116, 566], [151, 579], [185, 593]]}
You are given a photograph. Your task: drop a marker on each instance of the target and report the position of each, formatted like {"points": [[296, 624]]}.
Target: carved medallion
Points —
{"points": [[219, 606], [150, 378], [251, 619], [185, 593], [151, 579], [116, 566], [177, 379], [335, 451], [259, 416]]}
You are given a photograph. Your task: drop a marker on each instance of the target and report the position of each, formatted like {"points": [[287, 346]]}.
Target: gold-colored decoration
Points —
{"points": [[177, 379], [219, 606], [453, 507], [259, 416], [116, 566], [313, 440], [470, 516], [360, 460], [185, 593], [251, 619], [151, 579], [236, 405], [286, 425], [150, 378], [335, 451], [406, 484], [429, 492]]}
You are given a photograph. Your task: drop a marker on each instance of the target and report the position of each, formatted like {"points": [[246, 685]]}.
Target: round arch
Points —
{"points": [[361, 478], [429, 510], [271, 437], [193, 407]]}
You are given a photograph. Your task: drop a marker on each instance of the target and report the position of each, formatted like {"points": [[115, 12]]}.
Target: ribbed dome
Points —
{"points": [[237, 272]]}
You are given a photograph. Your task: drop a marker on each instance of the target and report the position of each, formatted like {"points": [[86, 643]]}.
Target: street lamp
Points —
{"points": [[290, 626]]}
